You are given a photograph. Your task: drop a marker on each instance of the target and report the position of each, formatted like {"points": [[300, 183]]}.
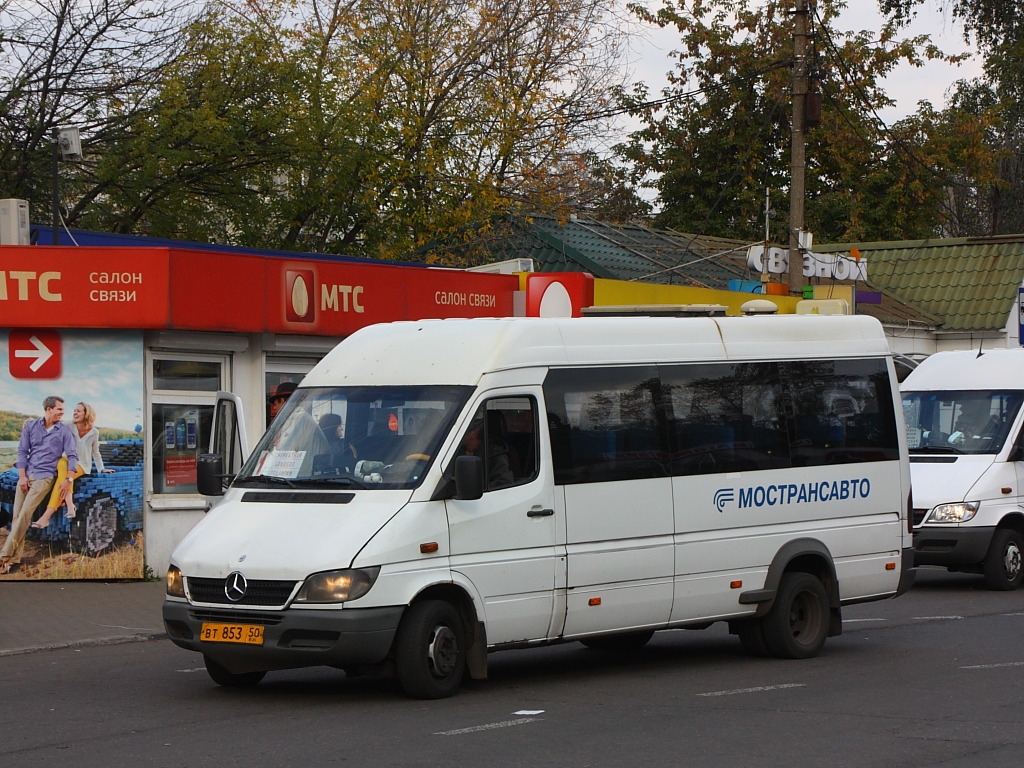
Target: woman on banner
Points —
{"points": [[87, 438]]}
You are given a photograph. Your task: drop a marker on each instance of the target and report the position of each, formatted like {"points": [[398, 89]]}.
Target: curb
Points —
{"points": [[115, 640]]}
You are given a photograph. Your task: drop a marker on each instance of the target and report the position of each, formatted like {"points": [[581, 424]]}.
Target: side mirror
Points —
{"points": [[469, 478], [1017, 454], [209, 474]]}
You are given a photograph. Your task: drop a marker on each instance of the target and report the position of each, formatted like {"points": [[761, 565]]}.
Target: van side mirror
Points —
{"points": [[1017, 454], [469, 478], [210, 474]]}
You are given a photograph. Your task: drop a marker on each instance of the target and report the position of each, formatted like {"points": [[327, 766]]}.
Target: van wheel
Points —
{"points": [[628, 641], [797, 624], [1003, 567], [430, 650], [221, 676]]}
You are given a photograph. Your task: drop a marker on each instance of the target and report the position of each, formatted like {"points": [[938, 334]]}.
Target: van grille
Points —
{"points": [[918, 516], [259, 592]]}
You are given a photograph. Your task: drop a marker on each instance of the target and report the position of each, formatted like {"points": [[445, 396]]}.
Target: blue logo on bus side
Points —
{"points": [[792, 493]]}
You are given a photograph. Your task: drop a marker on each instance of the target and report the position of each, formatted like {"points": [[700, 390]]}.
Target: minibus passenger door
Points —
{"points": [[505, 541]]}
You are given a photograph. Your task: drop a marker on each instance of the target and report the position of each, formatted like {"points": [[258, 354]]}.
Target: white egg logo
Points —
{"points": [[300, 297]]}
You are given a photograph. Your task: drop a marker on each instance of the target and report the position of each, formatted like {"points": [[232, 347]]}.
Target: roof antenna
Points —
{"points": [[981, 341]]}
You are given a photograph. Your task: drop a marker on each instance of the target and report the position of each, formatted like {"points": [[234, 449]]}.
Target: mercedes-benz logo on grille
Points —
{"points": [[235, 586]]}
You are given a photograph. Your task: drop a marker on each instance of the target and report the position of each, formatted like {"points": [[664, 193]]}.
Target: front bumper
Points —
{"points": [[291, 638], [950, 546]]}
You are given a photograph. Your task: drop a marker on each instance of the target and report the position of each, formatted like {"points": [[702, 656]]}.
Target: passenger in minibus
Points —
{"points": [[496, 456]]}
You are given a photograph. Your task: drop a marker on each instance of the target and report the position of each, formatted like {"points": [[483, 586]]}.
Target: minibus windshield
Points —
{"points": [[959, 421], [355, 437]]}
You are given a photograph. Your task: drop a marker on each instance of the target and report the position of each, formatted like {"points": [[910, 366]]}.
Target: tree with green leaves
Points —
{"points": [[717, 141], [361, 126], [90, 64], [985, 205]]}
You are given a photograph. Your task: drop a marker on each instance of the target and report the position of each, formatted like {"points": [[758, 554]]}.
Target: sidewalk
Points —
{"points": [[37, 615]]}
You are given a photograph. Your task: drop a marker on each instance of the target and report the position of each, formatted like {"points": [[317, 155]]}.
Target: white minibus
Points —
{"points": [[963, 417], [438, 490]]}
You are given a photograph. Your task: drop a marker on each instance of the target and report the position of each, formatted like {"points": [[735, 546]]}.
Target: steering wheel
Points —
{"points": [[418, 457]]}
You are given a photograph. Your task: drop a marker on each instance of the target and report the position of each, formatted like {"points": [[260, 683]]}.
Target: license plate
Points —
{"points": [[247, 634]]}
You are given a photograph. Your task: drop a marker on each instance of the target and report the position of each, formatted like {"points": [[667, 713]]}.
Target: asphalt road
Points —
{"points": [[935, 678]]}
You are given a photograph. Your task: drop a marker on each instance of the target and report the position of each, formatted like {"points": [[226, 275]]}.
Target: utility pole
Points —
{"points": [[798, 148]]}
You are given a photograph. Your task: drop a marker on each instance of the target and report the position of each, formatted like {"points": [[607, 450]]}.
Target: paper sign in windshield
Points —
{"points": [[282, 463]]}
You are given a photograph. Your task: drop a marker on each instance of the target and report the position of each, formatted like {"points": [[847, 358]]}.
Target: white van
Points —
{"points": [[437, 490], [963, 418]]}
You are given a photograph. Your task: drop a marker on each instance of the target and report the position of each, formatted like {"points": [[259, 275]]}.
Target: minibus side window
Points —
{"points": [[503, 432], [841, 411], [604, 424], [725, 417]]}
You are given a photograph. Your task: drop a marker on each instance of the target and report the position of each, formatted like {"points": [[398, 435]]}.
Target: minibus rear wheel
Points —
{"points": [[430, 650], [797, 624], [1003, 567], [221, 676]]}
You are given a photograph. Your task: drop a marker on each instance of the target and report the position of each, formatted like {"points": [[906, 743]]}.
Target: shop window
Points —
{"points": [[188, 375], [181, 418]]}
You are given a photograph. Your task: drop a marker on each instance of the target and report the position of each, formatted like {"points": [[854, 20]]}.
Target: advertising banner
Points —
{"points": [[95, 533]]}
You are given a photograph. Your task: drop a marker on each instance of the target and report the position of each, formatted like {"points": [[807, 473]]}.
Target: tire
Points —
{"points": [[628, 641], [1003, 567], [797, 624], [752, 638], [430, 650], [221, 676]]}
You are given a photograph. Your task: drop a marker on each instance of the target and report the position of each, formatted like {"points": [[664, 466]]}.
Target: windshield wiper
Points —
{"points": [[938, 449], [268, 480], [346, 480]]}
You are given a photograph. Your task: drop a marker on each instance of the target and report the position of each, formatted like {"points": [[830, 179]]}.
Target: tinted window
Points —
{"points": [[725, 417], [604, 424], [706, 418], [841, 411]]}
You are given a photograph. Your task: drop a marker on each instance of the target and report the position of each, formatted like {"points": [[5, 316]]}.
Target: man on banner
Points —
{"points": [[43, 441]]}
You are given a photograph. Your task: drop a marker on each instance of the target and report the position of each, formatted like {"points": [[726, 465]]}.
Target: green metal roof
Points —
{"points": [[968, 284], [626, 252]]}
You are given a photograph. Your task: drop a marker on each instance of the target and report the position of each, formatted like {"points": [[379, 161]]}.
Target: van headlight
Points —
{"points": [[958, 512], [337, 586], [175, 584]]}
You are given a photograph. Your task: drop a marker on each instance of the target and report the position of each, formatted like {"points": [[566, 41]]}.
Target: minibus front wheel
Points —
{"points": [[1003, 565], [430, 650]]}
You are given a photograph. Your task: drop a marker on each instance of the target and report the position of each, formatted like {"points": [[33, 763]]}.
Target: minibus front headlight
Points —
{"points": [[958, 512], [337, 586], [175, 584]]}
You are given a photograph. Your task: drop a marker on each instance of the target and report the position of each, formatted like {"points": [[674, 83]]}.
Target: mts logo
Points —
{"points": [[300, 289], [18, 285]]}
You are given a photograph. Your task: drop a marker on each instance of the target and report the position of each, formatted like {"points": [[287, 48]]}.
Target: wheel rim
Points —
{"points": [[443, 651], [1012, 561], [804, 618]]}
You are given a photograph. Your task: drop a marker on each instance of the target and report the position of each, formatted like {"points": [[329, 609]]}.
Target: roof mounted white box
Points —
{"points": [[14, 222]]}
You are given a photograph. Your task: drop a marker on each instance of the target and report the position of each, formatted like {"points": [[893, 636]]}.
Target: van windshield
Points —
{"points": [[360, 437], [963, 421]]}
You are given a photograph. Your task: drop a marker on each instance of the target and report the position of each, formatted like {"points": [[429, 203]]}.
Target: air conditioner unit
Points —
{"points": [[14, 222]]}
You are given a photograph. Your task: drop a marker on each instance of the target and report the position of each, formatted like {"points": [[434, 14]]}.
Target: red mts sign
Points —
{"points": [[339, 298], [88, 287], [34, 353]]}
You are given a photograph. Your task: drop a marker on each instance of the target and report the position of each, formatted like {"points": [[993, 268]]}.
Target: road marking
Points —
{"points": [[488, 727], [994, 666], [758, 689], [196, 669], [936, 618], [854, 621]]}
